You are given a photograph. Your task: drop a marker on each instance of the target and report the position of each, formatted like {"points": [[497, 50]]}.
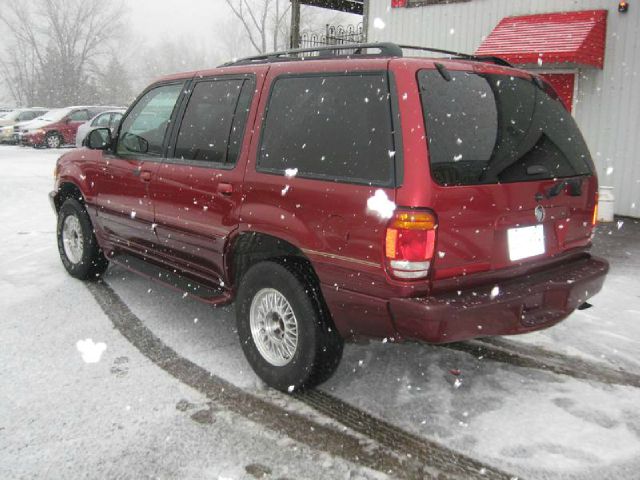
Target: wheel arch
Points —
{"points": [[247, 248], [67, 189]]}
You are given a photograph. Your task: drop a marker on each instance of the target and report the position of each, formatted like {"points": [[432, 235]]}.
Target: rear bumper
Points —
{"points": [[523, 304]]}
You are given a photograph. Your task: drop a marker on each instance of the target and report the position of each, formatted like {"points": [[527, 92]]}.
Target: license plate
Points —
{"points": [[525, 242]]}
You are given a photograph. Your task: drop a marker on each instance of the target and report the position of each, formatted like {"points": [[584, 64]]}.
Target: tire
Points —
{"points": [[318, 346], [77, 244], [52, 140]]}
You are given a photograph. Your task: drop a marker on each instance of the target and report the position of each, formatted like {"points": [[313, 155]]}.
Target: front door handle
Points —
{"points": [[145, 176], [225, 188]]}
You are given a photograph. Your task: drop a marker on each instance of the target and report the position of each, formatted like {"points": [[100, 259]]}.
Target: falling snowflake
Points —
{"points": [[495, 291], [378, 23]]}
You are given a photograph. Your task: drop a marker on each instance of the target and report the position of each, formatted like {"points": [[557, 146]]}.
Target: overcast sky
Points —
{"points": [[190, 18]]}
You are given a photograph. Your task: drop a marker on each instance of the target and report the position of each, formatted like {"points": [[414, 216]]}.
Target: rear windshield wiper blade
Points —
{"points": [[574, 184]]}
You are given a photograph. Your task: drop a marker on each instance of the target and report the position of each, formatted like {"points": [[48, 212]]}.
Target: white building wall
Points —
{"points": [[607, 105]]}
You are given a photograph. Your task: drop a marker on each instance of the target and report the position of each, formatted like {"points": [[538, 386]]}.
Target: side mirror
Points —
{"points": [[67, 120], [134, 143], [98, 139]]}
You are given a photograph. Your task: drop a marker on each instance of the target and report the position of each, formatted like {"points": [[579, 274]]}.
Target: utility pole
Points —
{"points": [[294, 41]]}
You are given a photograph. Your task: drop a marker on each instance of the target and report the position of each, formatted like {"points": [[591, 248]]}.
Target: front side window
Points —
{"points": [[333, 127], [144, 128], [488, 128], [209, 121]]}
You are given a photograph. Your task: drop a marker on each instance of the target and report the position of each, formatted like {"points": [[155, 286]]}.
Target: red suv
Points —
{"points": [[58, 127], [335, 197]]}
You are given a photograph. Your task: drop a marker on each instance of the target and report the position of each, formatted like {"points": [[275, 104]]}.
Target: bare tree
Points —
{"points": [[265, 22], [54, 48]]}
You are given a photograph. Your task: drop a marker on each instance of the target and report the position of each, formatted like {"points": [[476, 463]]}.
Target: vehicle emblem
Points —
{"points": [[539, 212]]}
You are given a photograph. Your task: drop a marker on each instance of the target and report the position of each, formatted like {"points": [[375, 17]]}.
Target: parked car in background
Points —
{"points": [[58, 127], [109, 119], [21, 115], [11, 133]]}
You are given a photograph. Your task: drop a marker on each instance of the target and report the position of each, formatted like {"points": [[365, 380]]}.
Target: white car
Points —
{"points": [[11, 133], [110, 119], [21, 115]]}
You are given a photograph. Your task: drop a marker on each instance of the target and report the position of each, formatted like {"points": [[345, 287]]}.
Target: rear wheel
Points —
{"points": [[77, 245], [285, 331], [52, 140]]}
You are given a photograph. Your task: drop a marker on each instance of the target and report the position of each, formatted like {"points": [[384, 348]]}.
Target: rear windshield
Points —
{"points": [[484, 128]]}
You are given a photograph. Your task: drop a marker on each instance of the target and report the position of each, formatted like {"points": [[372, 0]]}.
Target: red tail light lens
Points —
{"points": [[409, 244]]}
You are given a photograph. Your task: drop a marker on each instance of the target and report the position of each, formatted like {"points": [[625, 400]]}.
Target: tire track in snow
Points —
{"points": [[529, 356], [367, 441]]}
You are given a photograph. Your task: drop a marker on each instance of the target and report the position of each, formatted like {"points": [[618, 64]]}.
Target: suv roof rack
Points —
{"points": [[464, 56], [385, 49]]}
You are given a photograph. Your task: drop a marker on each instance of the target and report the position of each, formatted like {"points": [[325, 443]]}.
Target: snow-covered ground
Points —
{"points": [[533, 423]]}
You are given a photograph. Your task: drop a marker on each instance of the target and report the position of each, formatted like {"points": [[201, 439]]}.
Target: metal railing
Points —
{"points": [[333, 35]]}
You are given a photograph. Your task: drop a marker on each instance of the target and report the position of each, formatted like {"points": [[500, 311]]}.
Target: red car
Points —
{"points": [[335, 197], [58, 127]]}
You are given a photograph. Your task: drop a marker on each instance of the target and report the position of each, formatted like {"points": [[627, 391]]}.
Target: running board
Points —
{"points": [[208, 293]]}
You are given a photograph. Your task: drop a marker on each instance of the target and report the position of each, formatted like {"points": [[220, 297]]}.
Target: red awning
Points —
{"points": [[567, 37]]}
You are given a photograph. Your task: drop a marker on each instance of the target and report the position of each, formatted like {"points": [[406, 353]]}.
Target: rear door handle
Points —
{"points": [[225, 188], [145, 175]]}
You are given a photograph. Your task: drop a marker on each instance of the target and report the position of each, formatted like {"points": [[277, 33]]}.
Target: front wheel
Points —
{"points": [[285, 331], [52, 140], [77, 245]]}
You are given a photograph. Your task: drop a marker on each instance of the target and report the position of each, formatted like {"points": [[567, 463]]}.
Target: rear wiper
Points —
{"points": [[574, 184]]}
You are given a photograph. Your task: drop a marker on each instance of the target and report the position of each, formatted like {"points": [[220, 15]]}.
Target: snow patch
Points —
{"points": [[90, 351], [380, 205]]}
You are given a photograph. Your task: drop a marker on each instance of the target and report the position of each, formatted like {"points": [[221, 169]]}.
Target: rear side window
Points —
{"points": [[79, 116], [101, 121], [334, 127], [115, 120], [497, 128], [212, 126]]}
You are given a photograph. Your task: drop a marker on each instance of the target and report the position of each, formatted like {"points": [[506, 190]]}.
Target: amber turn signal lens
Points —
{"points": [[414, 221]]}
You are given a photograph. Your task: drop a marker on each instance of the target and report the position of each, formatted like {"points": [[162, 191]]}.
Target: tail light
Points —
{"points": [[594, 219], [409, 244]]}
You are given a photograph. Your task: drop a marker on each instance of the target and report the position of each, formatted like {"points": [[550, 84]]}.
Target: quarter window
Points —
{"points": [[144, 128], [334, 127], [211, 121]]}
